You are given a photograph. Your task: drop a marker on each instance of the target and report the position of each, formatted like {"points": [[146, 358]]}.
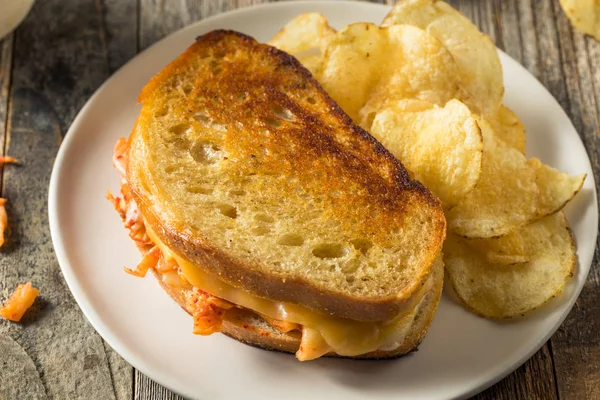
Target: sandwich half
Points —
{"points": [[269, 216]]}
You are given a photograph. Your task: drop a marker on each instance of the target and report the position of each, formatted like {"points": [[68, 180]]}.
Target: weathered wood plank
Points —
{"points": [[529, 41], [54, 332], [509, 30], [466, 7], [6, 46], [577, 343], [593, 58], [147, 389], [121, 373], [580, 62], [485, 19], [550, 73], [118, 22], [158, 18], [57, 64], [18, 369]]}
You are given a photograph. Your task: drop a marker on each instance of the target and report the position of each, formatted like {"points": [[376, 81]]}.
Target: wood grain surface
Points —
{"points": [[51, 65]]}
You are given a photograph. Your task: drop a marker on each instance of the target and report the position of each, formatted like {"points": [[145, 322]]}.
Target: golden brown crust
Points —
{"points": [[247, 327], [381, 182]]}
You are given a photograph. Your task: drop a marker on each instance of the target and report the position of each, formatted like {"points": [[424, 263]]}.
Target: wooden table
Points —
{"points": [[65, 49]]}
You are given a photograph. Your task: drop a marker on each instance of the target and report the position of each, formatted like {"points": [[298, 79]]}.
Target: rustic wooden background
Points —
{"points": [[66, 48]]}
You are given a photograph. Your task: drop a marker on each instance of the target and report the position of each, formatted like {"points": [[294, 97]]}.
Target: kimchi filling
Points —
{"points": [[207, 310]]}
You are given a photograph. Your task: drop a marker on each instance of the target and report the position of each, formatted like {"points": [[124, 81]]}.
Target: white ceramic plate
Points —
{"points": [[461, 355]]}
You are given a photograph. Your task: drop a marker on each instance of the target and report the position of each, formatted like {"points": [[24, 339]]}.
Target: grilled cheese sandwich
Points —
{"points": [[197, 169]]}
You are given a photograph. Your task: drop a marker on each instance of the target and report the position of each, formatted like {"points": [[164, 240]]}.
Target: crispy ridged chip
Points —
{"points": [[505, 197], [505, 250], [365, 62], [509, 128], [584, 15], [475, 54], [503, 291], [442, 147], [428, 85], [556, 188], [306, 38]]}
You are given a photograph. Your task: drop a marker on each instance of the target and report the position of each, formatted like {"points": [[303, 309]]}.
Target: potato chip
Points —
{"points": [[584, 15], [306, 38], [505, 197], [506, 250], [311, 62], [366, 62], [556, 188], [509, 128], [475, 54], [503, 291], [441, 147]]}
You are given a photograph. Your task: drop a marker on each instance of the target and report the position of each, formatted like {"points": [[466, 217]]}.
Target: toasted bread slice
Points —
{"points": [[243, 165], [247, 327]]}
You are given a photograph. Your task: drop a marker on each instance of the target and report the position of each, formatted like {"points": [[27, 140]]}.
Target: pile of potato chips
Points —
{"points": [[429, 86]]}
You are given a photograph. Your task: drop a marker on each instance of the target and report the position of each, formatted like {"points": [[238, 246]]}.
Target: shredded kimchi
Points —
{"points": [[20, 301]]}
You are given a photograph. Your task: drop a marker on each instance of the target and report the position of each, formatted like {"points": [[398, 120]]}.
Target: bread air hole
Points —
{"points": [[179, 129], [198, 189], [282, 112], [202, 118], [169, 169], [180, 143], [264, 218], [311, 100], [291, 239], [350, 266], [329, 250], [187, 89], [161, 112], [362, 245], [219, 54], [260, 231], [218, 127], [215, 67], [354, 142], [240, 96], [228, 210], [214, 64], [206, 152], [237, 192], [272, 122]]}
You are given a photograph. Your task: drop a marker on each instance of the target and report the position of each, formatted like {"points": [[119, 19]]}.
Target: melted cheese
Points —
{"points": [[312, 345], [321, 333]]}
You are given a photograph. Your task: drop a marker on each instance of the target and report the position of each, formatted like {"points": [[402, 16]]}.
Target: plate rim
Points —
{"points": [[121, 348]]}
